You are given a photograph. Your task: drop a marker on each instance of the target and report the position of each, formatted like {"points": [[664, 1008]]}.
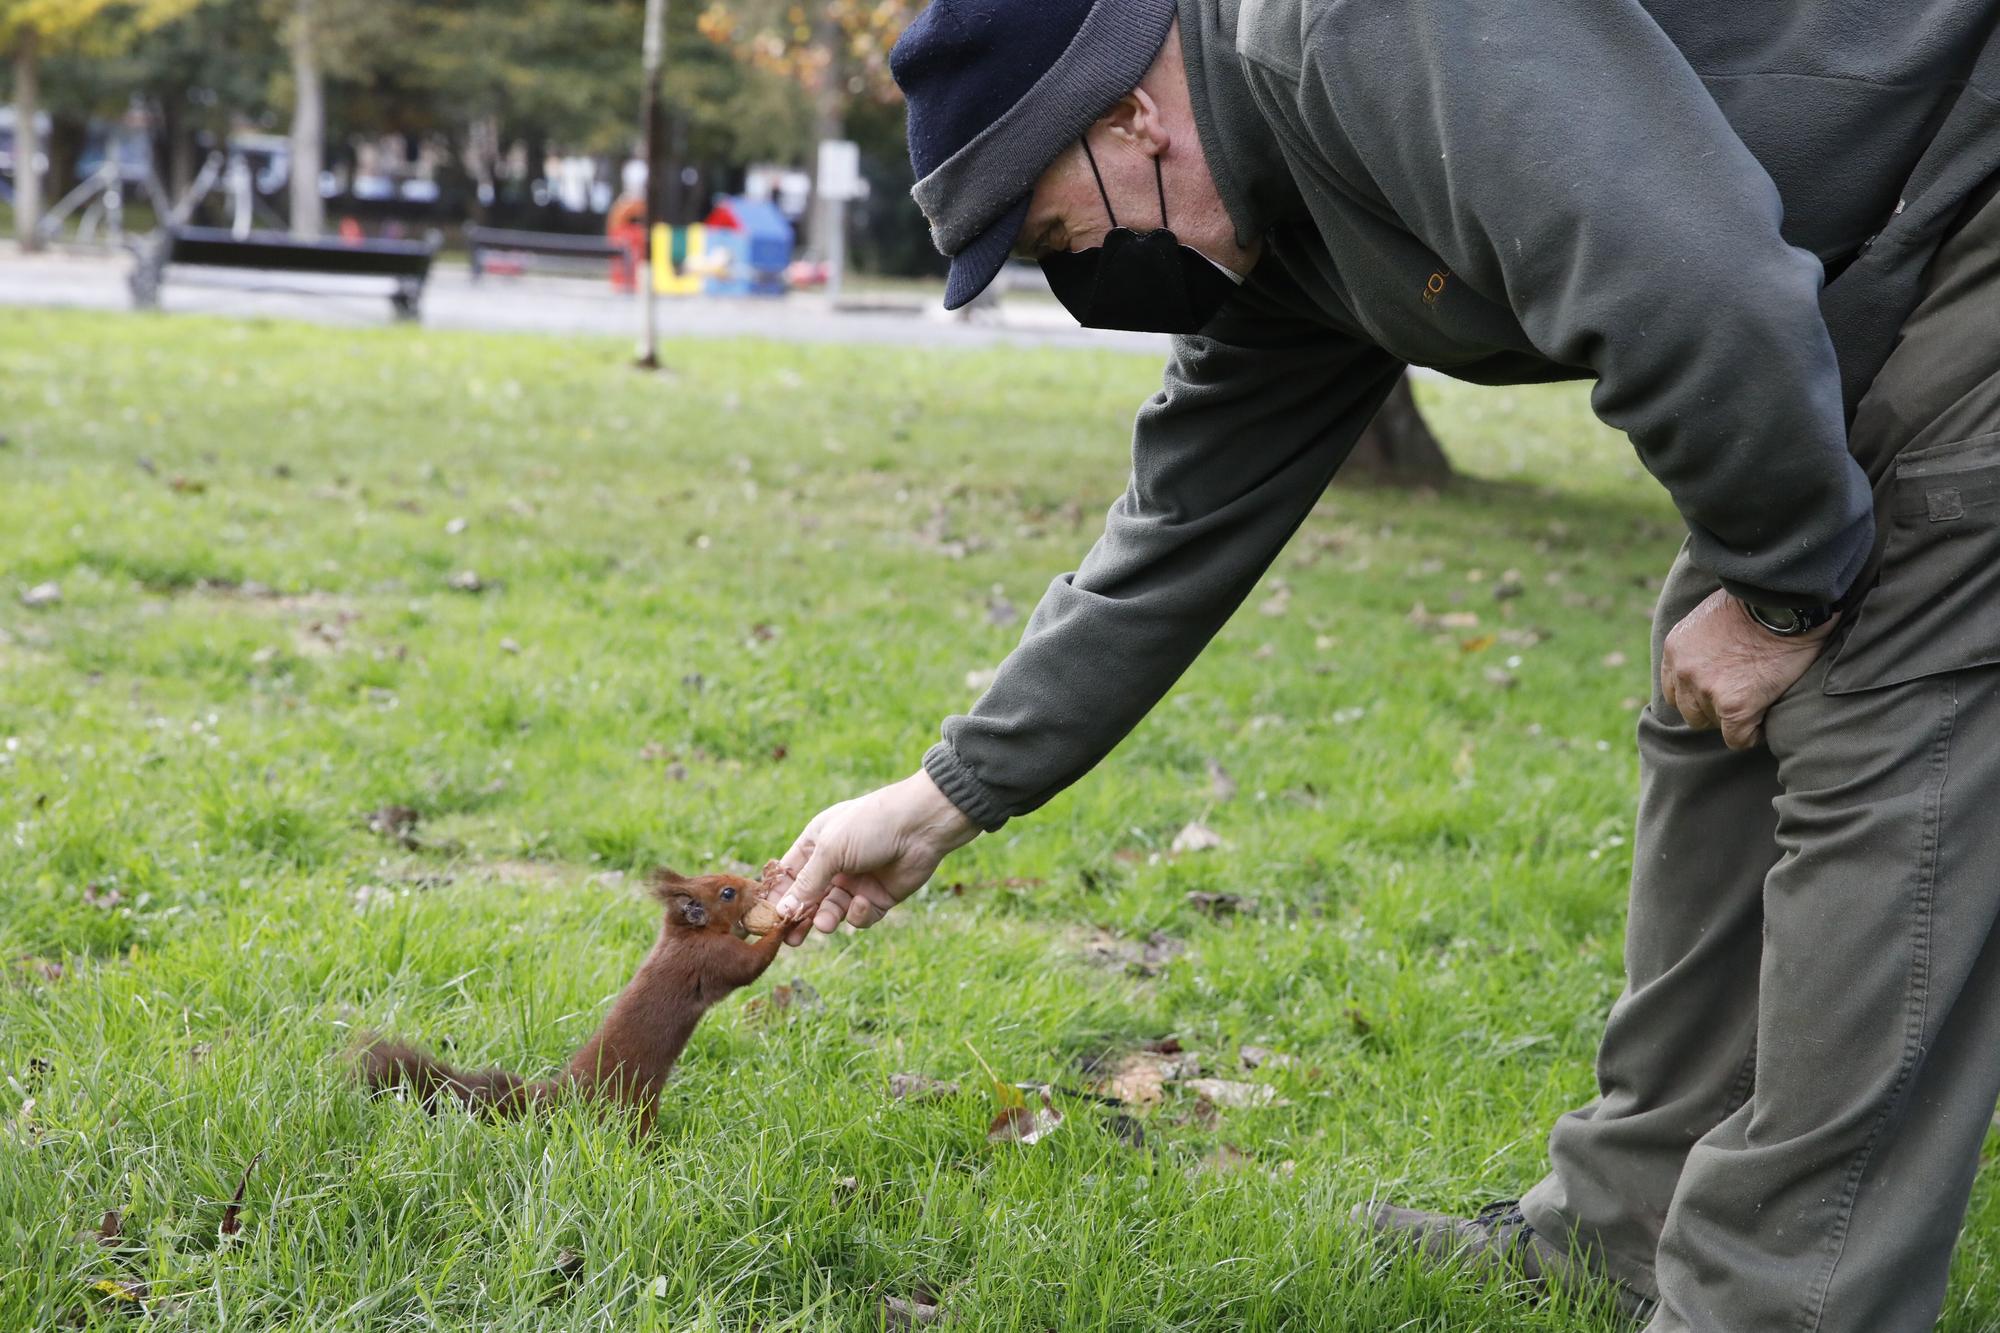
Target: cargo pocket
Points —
{"points": [[1936, 606]]}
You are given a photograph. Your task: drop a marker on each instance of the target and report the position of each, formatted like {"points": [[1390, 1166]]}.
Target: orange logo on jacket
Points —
{"points": [[1435, 285]]}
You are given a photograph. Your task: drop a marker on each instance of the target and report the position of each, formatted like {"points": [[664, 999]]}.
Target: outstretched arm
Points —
{"points": [[732, 963]]}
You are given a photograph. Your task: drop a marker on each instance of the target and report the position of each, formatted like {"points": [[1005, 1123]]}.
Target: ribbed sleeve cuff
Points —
{"points": [[962, 789]]}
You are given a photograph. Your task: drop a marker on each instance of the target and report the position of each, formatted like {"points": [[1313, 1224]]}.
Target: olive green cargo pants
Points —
{"points": [[1797, 1080]]}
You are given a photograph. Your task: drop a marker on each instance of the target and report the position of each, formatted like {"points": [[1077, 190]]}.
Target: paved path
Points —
{"points": [[540, 304]]}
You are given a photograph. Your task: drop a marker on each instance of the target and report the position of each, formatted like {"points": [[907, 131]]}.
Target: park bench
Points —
{"points": [[549, 244], [407, 264]]}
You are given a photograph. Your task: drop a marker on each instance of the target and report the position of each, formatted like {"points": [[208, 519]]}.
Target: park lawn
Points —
{"points": [[710, 602]]}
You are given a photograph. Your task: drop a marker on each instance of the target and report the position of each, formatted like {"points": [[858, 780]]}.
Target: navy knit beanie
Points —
{"points": [[997, 89]]}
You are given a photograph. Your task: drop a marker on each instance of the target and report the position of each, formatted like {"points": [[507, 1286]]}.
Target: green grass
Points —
{"points": [[715, 601]]}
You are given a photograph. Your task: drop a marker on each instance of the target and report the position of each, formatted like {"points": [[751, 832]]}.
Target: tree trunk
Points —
{"points": [[27, 141], [1398, 448], [67, 138], [308, 126], [829, 119]]}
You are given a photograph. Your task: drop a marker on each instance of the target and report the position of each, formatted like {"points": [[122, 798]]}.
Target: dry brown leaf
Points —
{"points": [[398, 823], [1478, 643], [1220, 905], [920, 1088], [1139, 1080], [1019, 1124], [1235, 1096], [1220, 785], [921, 1309], [1259, 1057], [1195, 837], [232, 1216]]}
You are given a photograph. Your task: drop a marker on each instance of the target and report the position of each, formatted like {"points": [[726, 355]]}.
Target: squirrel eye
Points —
{"points": [[728, 895]]}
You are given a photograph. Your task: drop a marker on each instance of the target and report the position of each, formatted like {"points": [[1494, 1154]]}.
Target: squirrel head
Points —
{"points": [[720, 904]]}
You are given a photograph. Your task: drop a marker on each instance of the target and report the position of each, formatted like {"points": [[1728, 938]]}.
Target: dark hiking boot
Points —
{"points": [[1496, 1244]]}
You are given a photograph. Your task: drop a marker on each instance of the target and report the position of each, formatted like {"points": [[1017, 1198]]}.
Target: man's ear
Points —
{"points": [[1135, 123]]}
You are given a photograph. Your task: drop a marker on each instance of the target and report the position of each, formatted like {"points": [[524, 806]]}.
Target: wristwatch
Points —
{"points": [[1790, 622]]}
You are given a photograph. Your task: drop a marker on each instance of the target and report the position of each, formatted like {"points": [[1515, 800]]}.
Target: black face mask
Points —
{"points": [[1142, 282]]}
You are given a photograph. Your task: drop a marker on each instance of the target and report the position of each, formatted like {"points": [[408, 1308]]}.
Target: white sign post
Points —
{"points": [[839, 181]]}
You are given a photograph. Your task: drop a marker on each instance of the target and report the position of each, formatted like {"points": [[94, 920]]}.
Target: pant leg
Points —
{"points": [[1832, 1199], [1676, 1054]]}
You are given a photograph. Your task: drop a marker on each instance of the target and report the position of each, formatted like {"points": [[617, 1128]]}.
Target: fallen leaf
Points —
{"points": [[187, 485], [1510, 586], [1138, 1081], [1227, 1159], [466, 580], [1009, 1096], [1019, 1124], [42, 594], [1612, 661], [133, 1293], [921, 1310], [959, 888], [799, 995], [510, 646], [1280, 601], [1257, 1057], [101, 898], [232, 1216], [980, 681], [660, 1287], [453, 529], [1477, 644], [920, 1088], [1220, 785], [568, 1266], [1458, 620], [1125, 1129], [1164, 1046], [1219, 905], [1000, 612], [44, 968], [1500, 679], [1146, 959], [1195, 838], [1237, 1096], [398, 823]]}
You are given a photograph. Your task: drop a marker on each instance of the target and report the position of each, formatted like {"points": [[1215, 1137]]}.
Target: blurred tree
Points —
{"points": [[836, 50], [32, 29]]}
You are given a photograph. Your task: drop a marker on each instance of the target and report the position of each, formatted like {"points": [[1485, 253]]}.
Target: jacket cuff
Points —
{"points": [[973, 798]]}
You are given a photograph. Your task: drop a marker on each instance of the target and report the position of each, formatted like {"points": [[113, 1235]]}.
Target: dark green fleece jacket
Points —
{"points": [[1649, 195]]}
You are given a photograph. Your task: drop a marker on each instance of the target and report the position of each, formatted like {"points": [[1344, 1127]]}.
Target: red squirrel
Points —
{"points": [[702, 955]]}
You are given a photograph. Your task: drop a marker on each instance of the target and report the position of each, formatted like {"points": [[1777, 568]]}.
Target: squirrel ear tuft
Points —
{"points": [[665, 883]]}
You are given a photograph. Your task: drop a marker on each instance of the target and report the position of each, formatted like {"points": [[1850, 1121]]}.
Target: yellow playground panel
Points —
{"points": [[689, 263]]}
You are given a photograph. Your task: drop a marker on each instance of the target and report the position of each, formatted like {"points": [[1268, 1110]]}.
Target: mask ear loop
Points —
{"points": [[1160, 181], [1102, 193]]}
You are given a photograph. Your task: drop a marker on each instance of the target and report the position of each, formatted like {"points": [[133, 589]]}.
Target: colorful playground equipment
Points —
{"points": [[743, 249]]}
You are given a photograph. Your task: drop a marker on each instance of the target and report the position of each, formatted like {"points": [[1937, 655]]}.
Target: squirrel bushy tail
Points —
{"points": [[392, 1064]]}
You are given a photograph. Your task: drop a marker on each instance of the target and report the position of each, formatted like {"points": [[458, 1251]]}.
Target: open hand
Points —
{"points": [[858, 859], [1720, 668]]}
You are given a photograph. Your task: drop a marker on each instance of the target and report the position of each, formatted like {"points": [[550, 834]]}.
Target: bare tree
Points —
{"points": [[308, 146]]}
